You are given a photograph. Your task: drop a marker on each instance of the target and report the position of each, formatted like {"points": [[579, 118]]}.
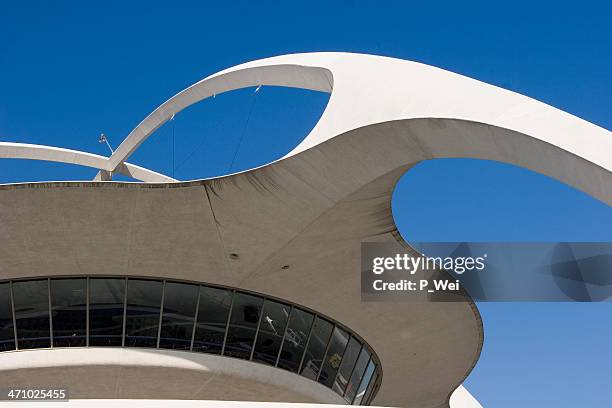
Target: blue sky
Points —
{"points": [[70, 70]]}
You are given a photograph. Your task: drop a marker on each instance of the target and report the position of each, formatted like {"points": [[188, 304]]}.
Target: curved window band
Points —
{"points": [[80, 311]]}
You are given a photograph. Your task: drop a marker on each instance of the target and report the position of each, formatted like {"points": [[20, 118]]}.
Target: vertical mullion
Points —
{"points": [[263, 308], [125, 293], [161, 311], [280, 349], [13, 312], [331, 336], [229, 317], [50, 314], [314, 319], [195, 317], [87, 311]]}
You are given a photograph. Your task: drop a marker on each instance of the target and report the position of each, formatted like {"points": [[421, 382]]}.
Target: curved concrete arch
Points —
{"points": [[407, 142], [368, 90], [279, 71], [9, 150]]}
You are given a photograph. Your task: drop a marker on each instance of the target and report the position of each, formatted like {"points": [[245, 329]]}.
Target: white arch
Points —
{"points": [[370, 90], [273, 71], [10, 150]]}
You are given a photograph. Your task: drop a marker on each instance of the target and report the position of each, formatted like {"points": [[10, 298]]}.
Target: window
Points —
{"points": [[142, 313], [180, 301], [69, 312], [333, 357], [295, 340], [315, 352], [106, 296], [346, 367], [31, 300], [364, 388], [213, 312], [243, 323], [271, 331], [139, 312], [357, 376], [7, 333]]}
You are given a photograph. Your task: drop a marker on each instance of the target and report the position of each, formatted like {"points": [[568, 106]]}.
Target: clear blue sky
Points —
{"points": [[70, 70]]}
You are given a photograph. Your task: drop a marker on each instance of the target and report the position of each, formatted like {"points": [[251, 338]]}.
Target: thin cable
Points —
{"points": [[199, 146], [190, 155], [246, 124]]}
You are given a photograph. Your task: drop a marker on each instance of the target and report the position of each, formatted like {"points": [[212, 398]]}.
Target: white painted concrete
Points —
{"points": [[368, 90], [9, 150], [108, 372], [461, 398]]}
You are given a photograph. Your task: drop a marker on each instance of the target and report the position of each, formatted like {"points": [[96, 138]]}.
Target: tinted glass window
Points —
{"points": [[32, 313], [296, 336], [357, 375], [213, 313], [367, 398], [7, 334], [139, 312], [180, 301], [142, 315], [271, 331], [106, 311], [363, 386], [315, 351], [346, 367], [333, 358], [68, 312], [243, 323]]}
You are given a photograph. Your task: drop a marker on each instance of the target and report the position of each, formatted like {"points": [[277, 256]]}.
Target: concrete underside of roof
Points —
{"points": [[309, 212]]}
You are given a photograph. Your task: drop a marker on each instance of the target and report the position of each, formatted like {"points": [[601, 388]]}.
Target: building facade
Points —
{"points": [[246, 287]]}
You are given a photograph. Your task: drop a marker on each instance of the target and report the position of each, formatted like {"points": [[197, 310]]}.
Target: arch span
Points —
{"points": [[371, 90], [9, 150], [275, 72]]}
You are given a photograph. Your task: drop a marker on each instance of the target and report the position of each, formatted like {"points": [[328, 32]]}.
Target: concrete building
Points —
{"points": [[246, 287]]}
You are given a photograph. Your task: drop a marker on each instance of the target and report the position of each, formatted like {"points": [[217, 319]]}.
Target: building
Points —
{"points": [[246, 287]]}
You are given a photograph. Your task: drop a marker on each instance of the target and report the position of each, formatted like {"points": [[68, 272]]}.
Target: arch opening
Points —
{"points": [[232, 132], [476, 200]]}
